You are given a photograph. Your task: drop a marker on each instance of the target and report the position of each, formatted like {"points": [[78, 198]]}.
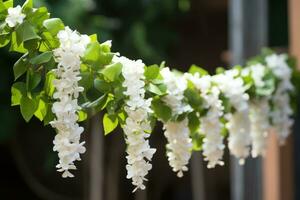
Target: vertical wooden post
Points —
{"points": [[247, 35], [279, 161]]}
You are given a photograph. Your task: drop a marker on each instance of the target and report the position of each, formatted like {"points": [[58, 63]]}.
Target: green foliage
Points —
{"points": [[112, 72], [196, 69], [151, 72], [161, 110], [28, 107], [109, 123]]}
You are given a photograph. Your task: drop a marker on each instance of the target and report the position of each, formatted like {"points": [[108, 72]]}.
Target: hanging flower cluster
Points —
{"points": [[233, 88], [282, 112], [137, 125], [259, 122], [211, 126], [67, 141], [64, 77], [177, 133]]}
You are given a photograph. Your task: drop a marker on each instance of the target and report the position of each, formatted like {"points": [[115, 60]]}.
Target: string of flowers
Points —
{"points": [[67, 141], [137, 126], [211, 126], [177, 133], [234, 89], [64, 77]]}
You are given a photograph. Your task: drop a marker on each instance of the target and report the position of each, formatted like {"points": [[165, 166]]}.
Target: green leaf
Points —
{"points": [[20, 67], [41, 58], [194, 98], [161, 110], [92, 53], [197, 139], [8, 4], [27, 4], [154, 89], [151, 72], [54, 25], [41, 111], [4, 40], [109, 124], [82, 116], [112, 72], [102, 86], [49, 116], [194, 122], [86, 80], [28, 108], [196, 69], [18, 90], [38, 16], [49, 87], [33, 80], [14, 46], [26, 32], [94, 38]]}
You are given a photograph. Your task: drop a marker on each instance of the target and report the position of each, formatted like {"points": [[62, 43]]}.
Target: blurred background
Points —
{"points": [[209, 33]]}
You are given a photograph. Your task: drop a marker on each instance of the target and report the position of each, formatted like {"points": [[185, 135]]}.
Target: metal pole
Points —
{"points": [[96, 159], [248, 33], [197, 176]]}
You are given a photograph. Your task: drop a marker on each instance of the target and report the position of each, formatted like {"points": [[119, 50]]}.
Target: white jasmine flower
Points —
{"points": [[281, 112], [15, 16], [175, 92], [137, 126], [239, 139], [179, 145], [233, 88], [177, 133], [258, 73], [259, 118], [210, 124], [67, 141]]}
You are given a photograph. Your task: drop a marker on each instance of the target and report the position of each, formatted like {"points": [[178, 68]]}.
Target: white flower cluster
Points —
{"points": [[179, 145], [15, 16], [177, 133], [67, 141], [137, 126], [257, 72], [238, 126], [175, 90], [281, 113], [259, 119], [213, 147]]}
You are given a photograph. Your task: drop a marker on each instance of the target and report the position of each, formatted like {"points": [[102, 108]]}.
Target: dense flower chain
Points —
{"points": [[137, 125], [177, 133], [232, 86], [281, 113], [67, 141], [259, 119], [211, 126], [227, 101]]}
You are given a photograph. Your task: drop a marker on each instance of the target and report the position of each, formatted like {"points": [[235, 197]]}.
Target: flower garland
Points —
{"points": [[137, 125], [177, 133], [247, 102], [67, 141]]}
